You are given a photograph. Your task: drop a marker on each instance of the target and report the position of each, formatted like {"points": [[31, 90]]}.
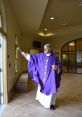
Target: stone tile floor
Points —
{"points": [[68, 104]]}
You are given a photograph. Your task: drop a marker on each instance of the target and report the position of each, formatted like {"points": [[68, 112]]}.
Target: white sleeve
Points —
{"points": [[27, 56]]}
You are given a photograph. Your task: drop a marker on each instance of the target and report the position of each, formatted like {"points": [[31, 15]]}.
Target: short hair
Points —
{"points": [[48, 46]]}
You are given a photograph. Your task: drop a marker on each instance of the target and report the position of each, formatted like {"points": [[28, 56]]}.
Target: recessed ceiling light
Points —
{"points": [[63, 23], [45, 29], [46, 35], [52, 18]]}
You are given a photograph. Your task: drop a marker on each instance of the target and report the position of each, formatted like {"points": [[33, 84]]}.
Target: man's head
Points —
{"points": [[47, 48]]}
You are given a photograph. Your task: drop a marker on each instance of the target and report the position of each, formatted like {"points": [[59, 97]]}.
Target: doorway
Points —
{"points": [[1, 73], [3, 70]]}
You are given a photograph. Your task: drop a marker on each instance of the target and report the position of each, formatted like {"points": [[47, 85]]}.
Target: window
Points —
{"points": [[0, 21], [72, 56], [16, 54], [3, 55]]}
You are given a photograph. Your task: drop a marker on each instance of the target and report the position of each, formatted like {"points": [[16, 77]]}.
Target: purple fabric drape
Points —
{"points": [[38, 67]]}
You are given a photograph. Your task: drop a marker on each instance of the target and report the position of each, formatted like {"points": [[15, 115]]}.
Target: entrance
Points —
{"points": [[3, 70]]}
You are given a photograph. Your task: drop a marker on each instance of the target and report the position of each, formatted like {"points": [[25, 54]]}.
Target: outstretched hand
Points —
{"points": [[23, 53]]}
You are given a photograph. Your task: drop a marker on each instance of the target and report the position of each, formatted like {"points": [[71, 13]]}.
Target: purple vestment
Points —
{"points": [[40, 70]]}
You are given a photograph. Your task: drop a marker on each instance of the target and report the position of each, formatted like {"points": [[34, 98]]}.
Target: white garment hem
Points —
{"points": [[45, 100]]}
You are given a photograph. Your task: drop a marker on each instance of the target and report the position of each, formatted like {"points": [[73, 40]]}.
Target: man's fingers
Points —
{"points": [[23, 53]]}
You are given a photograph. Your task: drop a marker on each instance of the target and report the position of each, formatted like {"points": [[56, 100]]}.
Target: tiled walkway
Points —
{"points": [[1, 109], [69, 101]]}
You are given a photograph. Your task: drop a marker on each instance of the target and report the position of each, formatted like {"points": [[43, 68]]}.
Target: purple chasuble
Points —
{"points": [[40, 70]]}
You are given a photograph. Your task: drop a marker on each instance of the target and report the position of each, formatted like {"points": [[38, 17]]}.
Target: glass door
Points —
{"points": [[1, 71]]}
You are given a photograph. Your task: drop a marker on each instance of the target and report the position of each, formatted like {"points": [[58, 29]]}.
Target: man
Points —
{"points": [[43, 69]]}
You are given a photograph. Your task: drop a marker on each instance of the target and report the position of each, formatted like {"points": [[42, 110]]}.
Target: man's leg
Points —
{"points": [[45, 100], [53, 102]]}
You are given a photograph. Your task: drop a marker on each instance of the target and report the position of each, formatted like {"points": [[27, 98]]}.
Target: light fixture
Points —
{"points": [[63, 23], [46, 35], [45, 29], [72, 44], [52, 18]]}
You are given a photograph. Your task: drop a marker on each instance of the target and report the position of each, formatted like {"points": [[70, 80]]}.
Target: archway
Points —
{"points": [[72, 56]]}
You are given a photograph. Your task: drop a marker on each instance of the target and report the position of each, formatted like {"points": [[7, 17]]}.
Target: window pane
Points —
{"points": [[79, 69], [16, 54], [72, 62], [0, 22], [72, 46], [65, 61], [72, 68], [65, 58], [79, 45], [72, 58], [79, 57], [65, 68], [79, 61], [65, 48]]}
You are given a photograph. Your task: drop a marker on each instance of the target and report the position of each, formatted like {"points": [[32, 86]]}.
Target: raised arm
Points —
{"points": [[26, 55]]}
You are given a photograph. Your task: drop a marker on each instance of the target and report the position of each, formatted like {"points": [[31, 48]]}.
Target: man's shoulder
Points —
{"points": [[40, 54], [54, 55]]}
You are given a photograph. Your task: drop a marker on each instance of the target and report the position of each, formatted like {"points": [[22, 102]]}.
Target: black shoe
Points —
{"points": [[52, 107]]}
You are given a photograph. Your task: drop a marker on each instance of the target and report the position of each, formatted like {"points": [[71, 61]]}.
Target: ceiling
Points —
{"points": [[29, 14], [33, 16], [66, 13]]}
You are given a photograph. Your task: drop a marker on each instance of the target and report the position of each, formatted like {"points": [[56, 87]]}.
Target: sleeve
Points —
{"points": [[59, 68], [27, 56], [59, 72], [57, 62], [33, 69]]}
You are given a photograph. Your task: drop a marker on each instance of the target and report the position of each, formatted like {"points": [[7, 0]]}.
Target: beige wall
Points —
{"points": [[26, 45], [59, 41], [12, 31]]}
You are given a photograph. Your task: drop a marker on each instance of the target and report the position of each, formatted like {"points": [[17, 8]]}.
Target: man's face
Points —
{"points": [[47, 50]]}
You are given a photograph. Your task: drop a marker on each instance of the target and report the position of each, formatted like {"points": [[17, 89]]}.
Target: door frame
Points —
{"points": [[4, 68]]}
